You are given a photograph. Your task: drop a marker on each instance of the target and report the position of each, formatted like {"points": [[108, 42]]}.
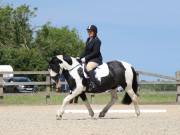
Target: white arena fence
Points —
{"points": [[175, 80]]}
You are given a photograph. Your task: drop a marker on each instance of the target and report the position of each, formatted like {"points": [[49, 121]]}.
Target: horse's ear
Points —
{"points": [[55, 60], [67, 59]]}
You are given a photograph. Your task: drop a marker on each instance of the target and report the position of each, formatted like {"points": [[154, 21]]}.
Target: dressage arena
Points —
{"points": [[41, 120]]}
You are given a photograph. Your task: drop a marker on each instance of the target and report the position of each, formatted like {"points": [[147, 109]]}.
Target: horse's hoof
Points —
{"points": [[92, 114], [138, 113], [58, 117], [101, 115]]}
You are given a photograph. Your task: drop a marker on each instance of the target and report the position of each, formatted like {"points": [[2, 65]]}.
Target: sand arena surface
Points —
{"points": [[40, 120]]}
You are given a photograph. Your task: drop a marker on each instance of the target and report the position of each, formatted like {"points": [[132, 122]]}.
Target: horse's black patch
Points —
{"points": [[67, 59], [80, 72], [56, 78], [70, 80], [83, 96], [54, 64], [115, 78], [55, 60]]}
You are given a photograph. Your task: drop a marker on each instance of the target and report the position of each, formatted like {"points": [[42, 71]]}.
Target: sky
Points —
{"points": [[145, 33]]}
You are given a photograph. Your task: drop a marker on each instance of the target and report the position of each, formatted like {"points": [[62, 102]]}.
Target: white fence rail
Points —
{"points": [[170, 80]]}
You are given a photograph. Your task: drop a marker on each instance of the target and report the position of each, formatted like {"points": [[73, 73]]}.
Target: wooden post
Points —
{"points": [[92, 97], [1, 86], [138, 80], [48, 88], [178, 87]]}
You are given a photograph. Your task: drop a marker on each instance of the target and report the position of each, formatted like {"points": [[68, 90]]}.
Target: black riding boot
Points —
{"points": [[93, 81]]}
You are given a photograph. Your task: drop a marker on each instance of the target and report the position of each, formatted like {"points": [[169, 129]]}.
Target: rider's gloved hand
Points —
{"points": [[78, 59], [83, 60]]}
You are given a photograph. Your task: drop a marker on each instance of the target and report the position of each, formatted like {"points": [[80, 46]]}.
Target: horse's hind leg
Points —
{"points": [[134, 99], [88, 106], [114, 97]]}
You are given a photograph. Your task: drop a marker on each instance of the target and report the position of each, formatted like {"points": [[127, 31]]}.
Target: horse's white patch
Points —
{"points": [[101, 71], [128, 72], [60, 57], [52, 73]]}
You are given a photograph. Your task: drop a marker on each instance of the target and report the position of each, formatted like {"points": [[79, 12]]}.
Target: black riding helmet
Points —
{"points": [[93, 28]]}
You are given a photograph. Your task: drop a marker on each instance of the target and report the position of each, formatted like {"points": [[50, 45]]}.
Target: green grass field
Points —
{"points": [[57, 98]]}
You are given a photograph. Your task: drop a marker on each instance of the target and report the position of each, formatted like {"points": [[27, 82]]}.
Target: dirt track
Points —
{"points": [[40, 120]]}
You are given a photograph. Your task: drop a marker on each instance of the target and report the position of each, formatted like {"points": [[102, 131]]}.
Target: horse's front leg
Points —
{"points": [[88, 106], [76, 92]]}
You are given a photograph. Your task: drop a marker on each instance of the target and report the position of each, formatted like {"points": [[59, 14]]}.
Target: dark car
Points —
{"points": [[19, 88]]}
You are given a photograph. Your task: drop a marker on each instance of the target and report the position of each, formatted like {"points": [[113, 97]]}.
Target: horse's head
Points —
{"points": [[58, 64], [55, 69]]}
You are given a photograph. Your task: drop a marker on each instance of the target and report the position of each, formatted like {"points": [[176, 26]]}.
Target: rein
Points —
{"points": [[74, 67]]}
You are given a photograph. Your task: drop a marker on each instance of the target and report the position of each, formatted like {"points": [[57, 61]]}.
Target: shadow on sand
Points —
{"points": [[97, 118]]}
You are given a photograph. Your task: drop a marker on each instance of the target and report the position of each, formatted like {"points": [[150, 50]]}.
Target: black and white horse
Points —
{"points": [[110, 76]]}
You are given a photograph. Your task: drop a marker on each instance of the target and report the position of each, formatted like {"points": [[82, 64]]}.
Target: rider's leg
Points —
{"points": [[91, 65], [90, 70]]}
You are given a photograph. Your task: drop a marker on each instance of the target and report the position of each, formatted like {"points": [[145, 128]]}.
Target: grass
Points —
{"points": [[157, 97], [57, 98]]}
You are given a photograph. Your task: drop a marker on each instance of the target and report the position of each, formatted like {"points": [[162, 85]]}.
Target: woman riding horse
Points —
{"points": [[115, 73], [92, 56]]}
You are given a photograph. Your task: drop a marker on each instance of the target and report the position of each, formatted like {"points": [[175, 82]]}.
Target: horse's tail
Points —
{"points": [[127, 100]]}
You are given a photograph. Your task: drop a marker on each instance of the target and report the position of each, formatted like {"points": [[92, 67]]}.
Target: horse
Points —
{"points": [[110, 76]]}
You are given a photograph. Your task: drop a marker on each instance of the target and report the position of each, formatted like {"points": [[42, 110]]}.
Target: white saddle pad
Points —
{"points": [[100, 71]]}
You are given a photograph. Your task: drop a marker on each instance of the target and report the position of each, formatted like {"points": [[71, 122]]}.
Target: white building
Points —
{"points": [[6, 68]]}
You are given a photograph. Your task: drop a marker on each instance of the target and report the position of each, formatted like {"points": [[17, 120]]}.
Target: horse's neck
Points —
{"points": [[65, 73], [66, 66]]}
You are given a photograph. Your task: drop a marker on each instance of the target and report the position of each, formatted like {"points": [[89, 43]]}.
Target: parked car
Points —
{"points": [[19, 88]]}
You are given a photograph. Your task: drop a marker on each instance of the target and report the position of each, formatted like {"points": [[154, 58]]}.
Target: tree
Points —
{"points": [[53, 41], [22, 28], [6, 27], [26, 50], [23, 59], [15, 28]]}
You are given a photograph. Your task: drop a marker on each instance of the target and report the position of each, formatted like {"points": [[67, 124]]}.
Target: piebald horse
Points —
{"points": [[117, 73]]}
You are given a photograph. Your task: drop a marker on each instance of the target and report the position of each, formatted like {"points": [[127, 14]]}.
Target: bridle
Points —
{"points": [[61, 69]]}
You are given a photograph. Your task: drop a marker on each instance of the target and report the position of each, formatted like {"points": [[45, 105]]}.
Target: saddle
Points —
{"points": [[100, 71]]}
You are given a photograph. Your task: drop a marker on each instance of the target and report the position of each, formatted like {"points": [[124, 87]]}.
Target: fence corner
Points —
{"points": [[178, 87], [1, 86]]}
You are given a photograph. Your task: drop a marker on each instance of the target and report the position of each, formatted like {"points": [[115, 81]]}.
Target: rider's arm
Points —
{"points": [[96, 51]]}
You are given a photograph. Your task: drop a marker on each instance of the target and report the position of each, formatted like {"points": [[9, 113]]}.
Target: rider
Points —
{"points": [[92, 56]]}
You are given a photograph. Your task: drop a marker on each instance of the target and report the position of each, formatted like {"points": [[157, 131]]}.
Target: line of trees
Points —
{"points": [[27, 48]]}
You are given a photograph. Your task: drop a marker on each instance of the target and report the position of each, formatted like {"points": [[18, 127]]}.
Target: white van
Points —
{"points": [[6, 68]]}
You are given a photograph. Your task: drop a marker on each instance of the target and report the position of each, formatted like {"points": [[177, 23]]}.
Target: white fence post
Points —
{"points": [[1, 86], [178, 87]]}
